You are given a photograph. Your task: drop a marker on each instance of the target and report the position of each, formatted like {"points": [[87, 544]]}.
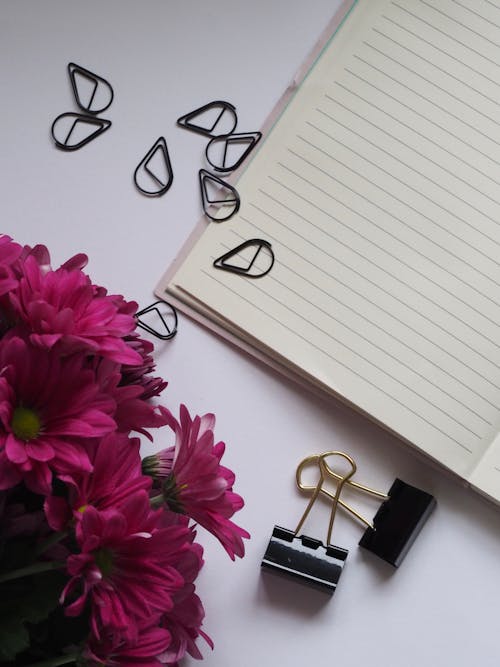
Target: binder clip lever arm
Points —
{"points": [[396, 524]]}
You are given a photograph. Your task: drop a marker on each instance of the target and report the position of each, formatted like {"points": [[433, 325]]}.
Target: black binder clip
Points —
{"points": [[307, 559], [398, 521], [165, 313]]}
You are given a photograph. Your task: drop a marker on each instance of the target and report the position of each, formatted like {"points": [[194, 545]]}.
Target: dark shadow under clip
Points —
{"points": [[168, 330], [306, 559], [398, 521]]}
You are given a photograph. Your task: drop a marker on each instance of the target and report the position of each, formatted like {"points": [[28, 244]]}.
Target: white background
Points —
{"points": [[165, 58]]}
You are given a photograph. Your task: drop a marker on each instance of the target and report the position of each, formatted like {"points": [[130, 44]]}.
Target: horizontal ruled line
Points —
{"points": [[462, 25], [366, 319], [373, 303], [440, 69], [419, 173], [400, 201], [357, 353], [429, 24], [338, 361], [413, 189], [460, 4], [391, 294], [409, 127], [427, 99], [432, 83], [412, 268], [441, 50]]}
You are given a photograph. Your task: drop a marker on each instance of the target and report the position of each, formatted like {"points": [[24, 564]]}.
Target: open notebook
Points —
{"points": [[378, 186]]}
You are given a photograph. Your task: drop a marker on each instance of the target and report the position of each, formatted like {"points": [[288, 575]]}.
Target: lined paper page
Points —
{"points": [[379, 189]]}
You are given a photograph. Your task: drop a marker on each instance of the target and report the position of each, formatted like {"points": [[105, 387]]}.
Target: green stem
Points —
{"points": [[43, 566], [54, 662], [157, 501], [50, 541]]}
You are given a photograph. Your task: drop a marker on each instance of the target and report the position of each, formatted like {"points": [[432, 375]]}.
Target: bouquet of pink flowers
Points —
{"points": [[98, 556]]}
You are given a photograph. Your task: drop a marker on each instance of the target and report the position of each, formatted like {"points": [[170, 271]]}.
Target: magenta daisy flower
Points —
{"points": [[126, 567], [107, 486], [64, 308], [193, 482], [139, 374], [185, 618], [9, 254], [133, 412], [152, 641], [49, 408]]}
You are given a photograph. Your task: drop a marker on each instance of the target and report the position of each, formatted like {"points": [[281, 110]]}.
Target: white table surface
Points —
{"points": [[165, 58]]}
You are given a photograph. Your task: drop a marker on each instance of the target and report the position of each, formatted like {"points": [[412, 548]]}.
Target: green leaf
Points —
{"points": [[44, 596], [14, 638], [31, 602]]}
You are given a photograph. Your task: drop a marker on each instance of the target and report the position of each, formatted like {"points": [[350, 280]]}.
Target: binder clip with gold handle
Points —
{"points": [[398, 521], [306, 559]]}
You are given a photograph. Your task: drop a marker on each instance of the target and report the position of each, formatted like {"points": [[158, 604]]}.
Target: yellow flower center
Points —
{"points": [[25, 423]]}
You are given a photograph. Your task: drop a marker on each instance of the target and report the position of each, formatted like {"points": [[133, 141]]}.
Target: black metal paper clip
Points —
{"points": [[153, 176], [243, 259], [71, 131], [93, 94], [227, 197], [307, 559], [217, 118], [167, 320], [225, 153], [398, 521]]}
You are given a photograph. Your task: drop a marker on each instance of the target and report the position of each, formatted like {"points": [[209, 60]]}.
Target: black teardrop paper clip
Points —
{"points": [[227, 197], [154, 308], [259, 245], [248, 139], [97, 83], [64, 142], [226, 110], [159, 145]]}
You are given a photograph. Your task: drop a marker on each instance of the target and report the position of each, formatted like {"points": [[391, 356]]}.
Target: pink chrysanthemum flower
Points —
{"points": [[140, 374], [40, 254], [193, 482], [107, 486], [9, 253], [49, 407], [186, 616], [126, 567], [133, 412], [63, 308], [113, 652]]}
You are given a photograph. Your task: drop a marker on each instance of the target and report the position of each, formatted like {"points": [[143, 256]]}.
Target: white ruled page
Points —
{"points": [[379, 190]]}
